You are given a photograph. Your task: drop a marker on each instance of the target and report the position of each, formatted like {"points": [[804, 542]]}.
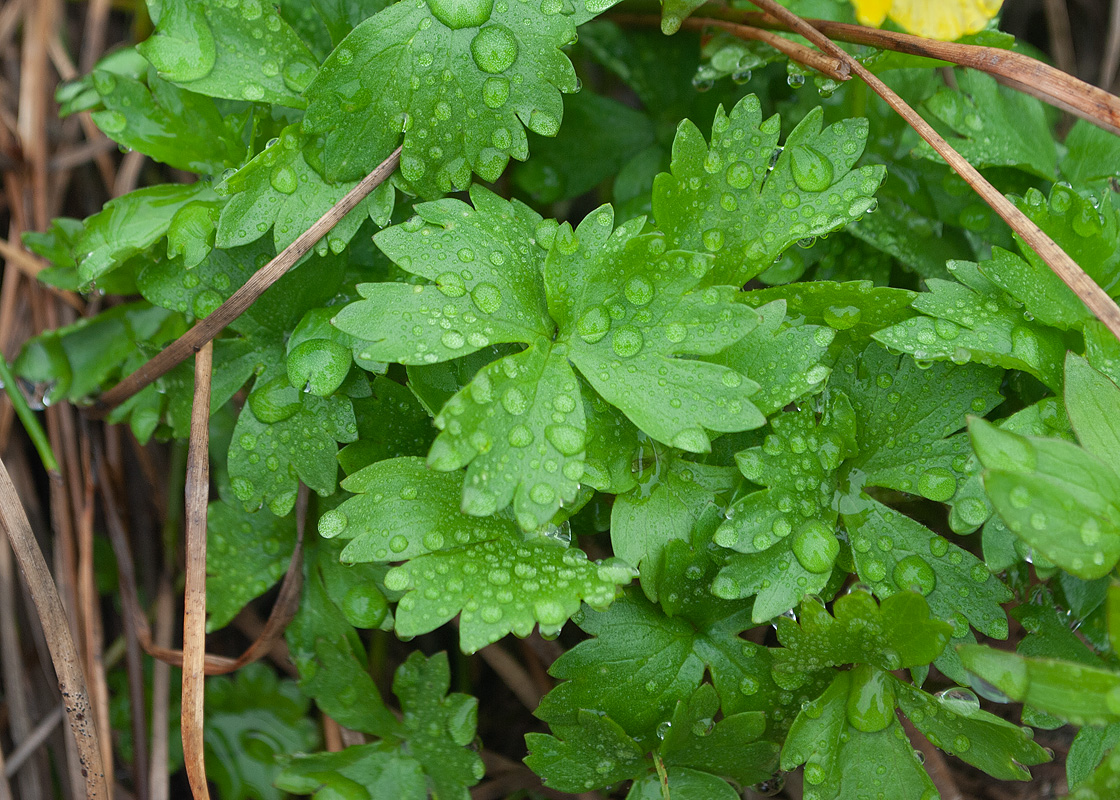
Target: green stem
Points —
{"points": [[28, 418]]}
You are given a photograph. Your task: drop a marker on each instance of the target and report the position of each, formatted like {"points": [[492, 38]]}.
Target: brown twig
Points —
{"points": [[1103, 306], [194, 602], [1016, 70], [53, 620], [206, 329], [159, 781]]}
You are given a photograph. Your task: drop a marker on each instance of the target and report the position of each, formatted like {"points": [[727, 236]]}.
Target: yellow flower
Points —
{"points": [[937, 19]]}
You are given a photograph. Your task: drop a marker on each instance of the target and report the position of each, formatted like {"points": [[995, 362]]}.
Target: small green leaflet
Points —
{"points": [[1066, 689], [426, 754], [1087, 229], [254, 707], [785, 359], [278, 189], [850, 740], [626, 308], [975, 320], [1060, 499], [169, 124], [785, 535], [330, 657], [1093, 405], [246, 554], [1104, 782], [673, 500], [897, 634], [995, 126], [854, 310], [238, 49], [458, 78], [483, 569], [1092, 154], [130, 224], [697, 751], [729, 200]]}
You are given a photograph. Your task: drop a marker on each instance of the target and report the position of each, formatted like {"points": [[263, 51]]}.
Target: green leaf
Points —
{"points": [[439, 727], [732, 748], [330, 657], [403, 510], [280, 190], [252, 719], [598, 137], [1088, 230], [484, 264], [457, 77], [853, 309], [640, 662], [246, 554], [198, 290], [628, 307], [684, 784], [894, 553], [130, 224], [1061, 500], [976, 321], [995, 126], [176, 127], [519, 425], [907, 417], [1104, 782], [360, 772], [788, 360], [501, 586], [787, 531], [426, 755], [954, 722], [268, 459], [729, 200], [1037, 287], [845, 755], [1079, 694], [1093, 405], [589, 752], [485, 568], [1092, 154], [391, 423], [897, 634], [239, 50], [672, 499], [1089, 748]]}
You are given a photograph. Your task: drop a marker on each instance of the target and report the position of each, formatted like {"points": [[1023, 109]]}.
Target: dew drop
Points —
{"points": [[594, 324], [914, 572], [812, 171], [639, 291], [815, 546], [627, 341], [457, 14], [494, 49], [495, 92]]}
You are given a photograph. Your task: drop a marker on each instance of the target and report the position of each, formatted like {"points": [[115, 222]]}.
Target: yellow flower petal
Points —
{"points": [[871, 12], [936, 19]]}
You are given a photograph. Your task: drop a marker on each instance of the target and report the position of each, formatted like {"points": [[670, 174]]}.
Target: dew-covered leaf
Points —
{"points": [[854, 310], [170, 124], [1058, 498], [238, 49], [628, 307], [380, 769], [894, 553], [1093, 405], [975, 320], [281, 191], [995, 126], [500, 586], [591, 751], [851, 742], [297, 441], [1065, 689], [896, 634], [130, 224], [786, 360], [484, 266], [246, 554], [673, 498], [734, 200], [907, 420], [520, 430], [461, 79]]}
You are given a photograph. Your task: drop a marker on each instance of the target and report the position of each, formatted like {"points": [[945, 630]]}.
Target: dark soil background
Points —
{"points": [[52, 167]]}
